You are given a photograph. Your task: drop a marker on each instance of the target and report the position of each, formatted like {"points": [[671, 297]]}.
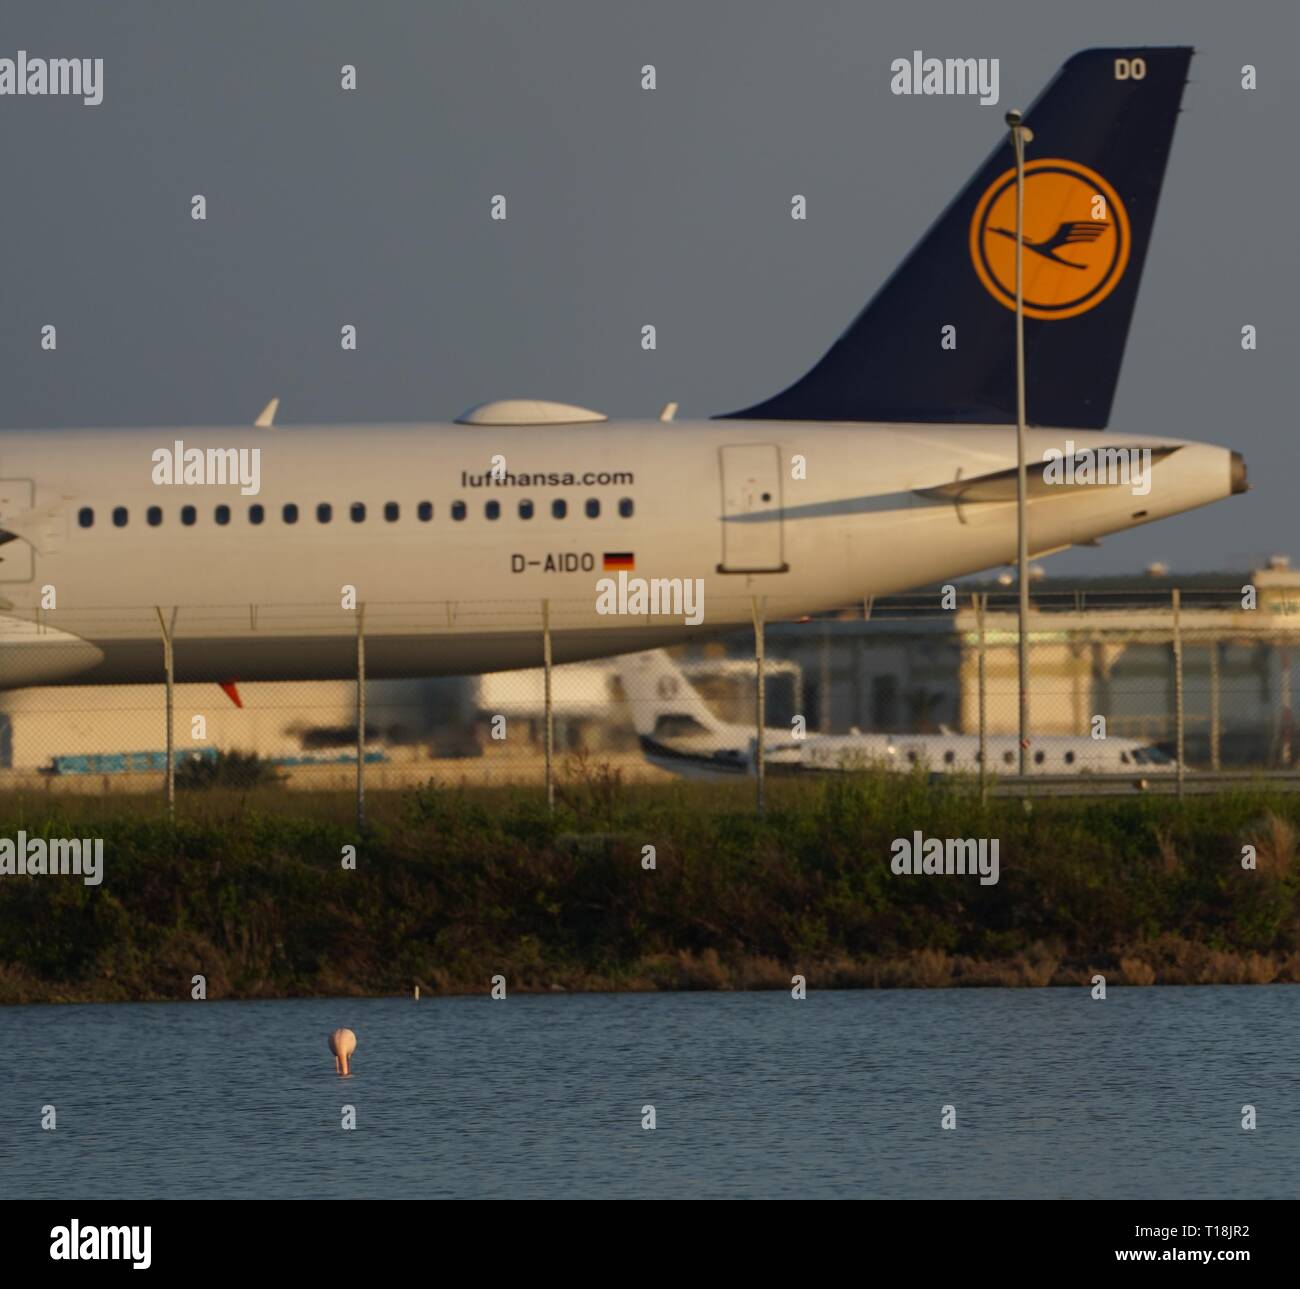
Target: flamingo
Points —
{"points": [[343, 1042]]}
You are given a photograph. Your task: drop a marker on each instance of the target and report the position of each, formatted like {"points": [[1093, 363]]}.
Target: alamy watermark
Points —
{"points": [[946, 857], [679, 597], [77, 1243], [26, 856], [921, 75], [75, 77], [211, 467], [1099, 467]]}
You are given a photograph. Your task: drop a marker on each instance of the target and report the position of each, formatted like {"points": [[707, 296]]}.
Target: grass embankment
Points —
{"points": [[454, 887]]}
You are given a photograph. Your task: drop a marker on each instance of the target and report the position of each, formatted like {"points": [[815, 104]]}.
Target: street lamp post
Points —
{"points": [[1020, 135]]}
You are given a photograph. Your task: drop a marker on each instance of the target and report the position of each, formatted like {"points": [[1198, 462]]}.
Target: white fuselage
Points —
{"points": [[730, 750], [808, 515]]}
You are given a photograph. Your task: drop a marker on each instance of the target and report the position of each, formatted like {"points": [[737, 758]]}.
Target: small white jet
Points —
{"points": [[890, 465], [678, 732]]}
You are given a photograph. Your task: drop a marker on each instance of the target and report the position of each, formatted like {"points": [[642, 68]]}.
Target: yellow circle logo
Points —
{"points": [[1076, 239]]}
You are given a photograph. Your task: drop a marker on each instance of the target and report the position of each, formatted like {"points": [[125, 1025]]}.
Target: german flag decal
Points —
{"points": [[616, 560]]}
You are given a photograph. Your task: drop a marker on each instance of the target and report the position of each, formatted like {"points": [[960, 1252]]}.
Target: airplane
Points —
{"points": [[890, 465], [679, 733]]}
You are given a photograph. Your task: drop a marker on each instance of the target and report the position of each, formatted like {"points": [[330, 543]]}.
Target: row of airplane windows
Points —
{"points": [[1008, 758], [356, 512], [1141, 756]]}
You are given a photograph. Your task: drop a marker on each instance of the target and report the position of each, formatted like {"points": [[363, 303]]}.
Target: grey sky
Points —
{"points": [[625, 207]]}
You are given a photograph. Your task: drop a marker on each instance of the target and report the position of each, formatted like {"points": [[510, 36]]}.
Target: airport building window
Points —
{"points": [[256, 514], [222, 515], [593, 508], [425, 511], [458, 510], [884, 701], [290, 513], [324, 512], [119, 516], [625, 507], [358, 512], [188, 515], [154, 516], [85, 516], [492, 509], [559, 508], [525, 510], [392, 512]]}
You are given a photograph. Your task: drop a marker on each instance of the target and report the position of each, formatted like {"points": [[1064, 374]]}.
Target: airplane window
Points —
{"points": [[324, 512], [1008, 758], [458, 510], [85, 516], [625, 507], [256, 514], [492, 509], [525, 510], [425, 511], [119, 516], [358, 511], [559, 508], [154, 516], [188, 515], [1038, 757], [392, 512], [222, 514], [949, 757], [1151, 756], [1069, 758], [290, 513], [593, 508]]}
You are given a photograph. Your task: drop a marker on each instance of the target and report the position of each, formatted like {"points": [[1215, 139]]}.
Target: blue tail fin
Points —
{"points": [[1102, 132]]}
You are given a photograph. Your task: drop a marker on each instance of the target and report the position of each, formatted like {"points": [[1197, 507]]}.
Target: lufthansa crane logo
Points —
{"points": [[1076, 239]]}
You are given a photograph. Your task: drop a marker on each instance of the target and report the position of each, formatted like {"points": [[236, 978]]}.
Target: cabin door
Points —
{"points": [[752, 538]]}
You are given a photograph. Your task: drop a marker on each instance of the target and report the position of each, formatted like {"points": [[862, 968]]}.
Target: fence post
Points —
{"points": [[550, 707], [169, 670], [1178, 686], [1215, 648], [361, 716], [824, 682], [981, 602], [759, 608], [1284, 688]]}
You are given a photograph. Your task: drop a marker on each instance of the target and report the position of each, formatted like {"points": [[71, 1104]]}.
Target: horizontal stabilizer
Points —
{"points": [[1001, 484]]}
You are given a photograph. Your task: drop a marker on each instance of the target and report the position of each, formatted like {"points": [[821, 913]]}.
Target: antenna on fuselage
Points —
{"points": [[267, 417], [668, 411]]}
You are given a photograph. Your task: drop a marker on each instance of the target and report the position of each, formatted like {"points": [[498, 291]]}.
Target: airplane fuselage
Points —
{"points": [[455, 536]]}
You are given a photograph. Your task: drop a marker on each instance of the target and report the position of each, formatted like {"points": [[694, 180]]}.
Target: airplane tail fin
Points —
{"points": [[659, 696], [937, 342]]}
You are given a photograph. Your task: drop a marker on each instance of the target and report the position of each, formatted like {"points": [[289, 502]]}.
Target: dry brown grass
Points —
{"points": [[1274, 839]]}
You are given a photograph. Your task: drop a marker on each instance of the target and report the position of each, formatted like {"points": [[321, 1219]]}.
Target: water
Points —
{"points": [[755, 1095]]}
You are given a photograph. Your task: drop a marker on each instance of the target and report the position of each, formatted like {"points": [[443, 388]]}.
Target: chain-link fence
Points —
{"points": [[1151, 681]]}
